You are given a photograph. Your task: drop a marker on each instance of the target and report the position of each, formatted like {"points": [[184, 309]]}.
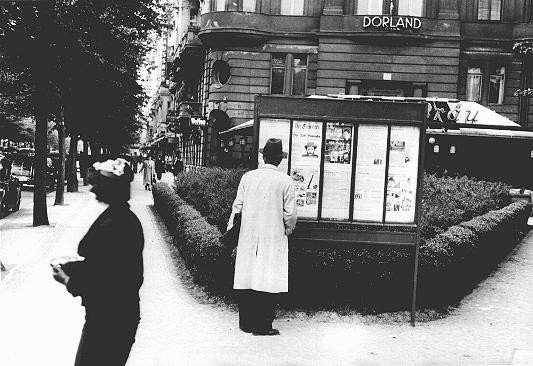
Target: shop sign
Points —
{"points": [[390, 22], [445, 112]]}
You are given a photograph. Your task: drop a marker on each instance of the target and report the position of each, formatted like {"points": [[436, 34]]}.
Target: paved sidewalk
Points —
{"points": [[40, 322]]}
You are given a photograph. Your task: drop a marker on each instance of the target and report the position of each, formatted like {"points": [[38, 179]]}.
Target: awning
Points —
{"points": [[152, 143], [242, 126], [482, 132]]}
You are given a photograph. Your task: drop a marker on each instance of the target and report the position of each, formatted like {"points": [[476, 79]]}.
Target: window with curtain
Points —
{"points": [[288, 74], [474, 84], [496, 85], [489, 9], [292, 7]]}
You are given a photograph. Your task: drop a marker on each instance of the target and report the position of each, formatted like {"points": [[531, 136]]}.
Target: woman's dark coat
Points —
{"points": [[108, 281]]}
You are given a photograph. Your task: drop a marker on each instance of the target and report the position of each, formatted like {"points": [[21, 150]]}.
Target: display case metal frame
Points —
{"points": [[326, 232]]}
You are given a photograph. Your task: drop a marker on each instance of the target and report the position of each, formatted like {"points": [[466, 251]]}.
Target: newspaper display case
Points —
{"points": [[356, 165]]}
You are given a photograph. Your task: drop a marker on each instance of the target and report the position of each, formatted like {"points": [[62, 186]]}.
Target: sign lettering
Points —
{"points": [[390, 22]]}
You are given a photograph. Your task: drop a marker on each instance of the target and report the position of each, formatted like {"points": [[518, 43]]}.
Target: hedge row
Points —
{"points": [[363, 278], [211, 191], [197, 240], [446, 201], [453, 262]]}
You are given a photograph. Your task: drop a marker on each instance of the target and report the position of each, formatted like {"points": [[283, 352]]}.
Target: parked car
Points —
{"points": [[10, 188], [22, 169]]}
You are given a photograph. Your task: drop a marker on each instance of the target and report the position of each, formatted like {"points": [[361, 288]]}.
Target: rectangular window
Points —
{"points": [[496, 85], [489, 10], [411, 7], [369, 7], [278, 73], [288, 74], [220, 5], [249, 5], [474, 84], [292, 7]]}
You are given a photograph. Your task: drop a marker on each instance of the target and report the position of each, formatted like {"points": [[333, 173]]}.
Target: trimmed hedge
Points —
{"points": [[446, 201], [211, 191], [366, 278], [197, 240], [453, 262]]}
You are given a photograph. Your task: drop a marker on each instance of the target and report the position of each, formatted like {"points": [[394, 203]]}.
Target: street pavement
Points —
{"points": [[40, 322]]}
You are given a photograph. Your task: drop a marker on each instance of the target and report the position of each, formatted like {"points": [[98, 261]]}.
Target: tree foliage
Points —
{"points": [[80, 60]]}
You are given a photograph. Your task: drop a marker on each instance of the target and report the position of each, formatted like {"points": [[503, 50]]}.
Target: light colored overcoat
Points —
{"points": [[148, 167], [266, 199]]}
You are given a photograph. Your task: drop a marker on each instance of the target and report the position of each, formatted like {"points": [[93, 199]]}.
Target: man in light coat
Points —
{"points": [[266, 199]]}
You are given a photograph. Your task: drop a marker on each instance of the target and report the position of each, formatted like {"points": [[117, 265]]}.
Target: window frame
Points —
{"points": [[481, 83], [288, 74], [490, 6], [501, 88]]}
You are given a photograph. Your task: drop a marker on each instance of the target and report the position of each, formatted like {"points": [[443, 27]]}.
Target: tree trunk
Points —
{"points": [[84, 162], [40, 212], [60, 184], [72, 172], [96, 151]]}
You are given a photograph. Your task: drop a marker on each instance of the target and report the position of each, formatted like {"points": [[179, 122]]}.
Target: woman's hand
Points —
{"points": [[59, 275]]}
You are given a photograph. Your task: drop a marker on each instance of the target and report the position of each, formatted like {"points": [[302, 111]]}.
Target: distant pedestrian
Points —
{"points": [[177, 167], [135, 162], [110, 271], [159, 167], [148, 176], [266, 199]]}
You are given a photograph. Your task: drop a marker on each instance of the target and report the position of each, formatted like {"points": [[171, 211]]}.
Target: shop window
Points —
{"points": [[474, 84], [496, 85], [292, 7], [221, 73], [393, 7], [288, 74], [489, 10]]}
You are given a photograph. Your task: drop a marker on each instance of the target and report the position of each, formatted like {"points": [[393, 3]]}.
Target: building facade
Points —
{"points": [[229, 51]]}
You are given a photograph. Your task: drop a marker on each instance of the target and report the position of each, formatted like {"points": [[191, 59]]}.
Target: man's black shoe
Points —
{"points": [[269, 332], [246, 330]]}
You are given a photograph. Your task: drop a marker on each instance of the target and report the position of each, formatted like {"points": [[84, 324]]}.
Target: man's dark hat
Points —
{"points": [[273, 148]]}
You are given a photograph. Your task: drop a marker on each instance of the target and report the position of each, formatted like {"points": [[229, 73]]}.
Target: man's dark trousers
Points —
{"points": [[256, 310]]}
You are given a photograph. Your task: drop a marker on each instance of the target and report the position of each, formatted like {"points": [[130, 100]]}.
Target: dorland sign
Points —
{"points": [[389, 22]]}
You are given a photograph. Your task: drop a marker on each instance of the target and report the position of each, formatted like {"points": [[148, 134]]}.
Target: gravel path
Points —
{"points": [[40, 322]]}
